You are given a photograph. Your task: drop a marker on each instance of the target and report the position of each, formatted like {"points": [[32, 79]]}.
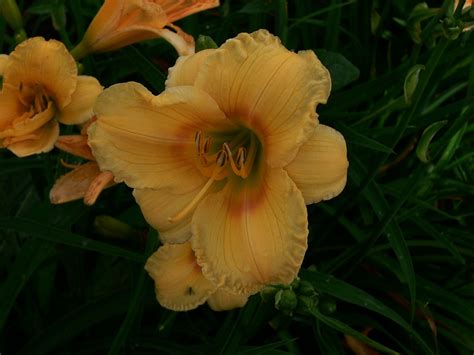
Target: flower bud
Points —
{"points": [[113, 228], [286, 301], [268, 294], [10, 11], [306, 289]]}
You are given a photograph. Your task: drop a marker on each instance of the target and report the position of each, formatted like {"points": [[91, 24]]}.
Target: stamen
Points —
{"points": [[220, 161], [197, 141], [69, 165], [241, 158], [231, 159], [248, 162], [206, 145], [11, 140], [21, 96]]}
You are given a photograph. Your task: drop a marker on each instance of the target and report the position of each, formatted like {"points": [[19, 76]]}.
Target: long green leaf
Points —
{"points": [[345, 329], [348, 293], [33, 252], [136, 301], [40, 230]]}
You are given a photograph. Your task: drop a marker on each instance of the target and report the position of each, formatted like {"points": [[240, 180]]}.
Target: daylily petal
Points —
{"points": [[250, 235], [179, 282], [180, 40], [75, 145], [186, 69], [148, 141], [74, 185], [258, 82], [224, 301], [120, 23], [159, 205], [10, 107], [79, 109], [45, 63], [320, 167], [29, 125], [102, 181], [3, 63], [42, 142], [178, 9]]}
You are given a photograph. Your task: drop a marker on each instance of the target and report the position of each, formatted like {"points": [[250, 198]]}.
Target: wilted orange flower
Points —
{"points": [[180, 284], [120, 23], [229, 154], [40, 88], [85, 180]]}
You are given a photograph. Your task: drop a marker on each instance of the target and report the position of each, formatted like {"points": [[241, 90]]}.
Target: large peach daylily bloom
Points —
{"points": [[40, 88], [86, 181], [229, 154], [180, 284], [120, 23]]}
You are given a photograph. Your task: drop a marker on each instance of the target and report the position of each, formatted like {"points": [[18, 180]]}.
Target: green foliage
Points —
{"points": [[393, 254]]}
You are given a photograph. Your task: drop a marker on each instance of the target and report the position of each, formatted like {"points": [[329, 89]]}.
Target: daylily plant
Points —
{"points": [[228, 154], [40, 88], [120, 23], [86, 180]]}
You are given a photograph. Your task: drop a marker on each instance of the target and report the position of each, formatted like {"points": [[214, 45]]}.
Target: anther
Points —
{"points": [[241, 156], [221, 158], [234, 167], [206, 145], [197, 141]]}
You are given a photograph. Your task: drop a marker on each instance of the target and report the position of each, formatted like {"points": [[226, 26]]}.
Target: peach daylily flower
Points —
{"points": [[180, 284], [120, 23], [229, 154], [40, 88], [86, 181]]}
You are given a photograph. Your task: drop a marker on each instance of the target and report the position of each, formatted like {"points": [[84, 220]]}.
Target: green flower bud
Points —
{"points": [[295, 284], [452, 28], [306, 304], [306, 289], [113, 228], [268, 294], [10, 11], [205, 42], [286, 301]]}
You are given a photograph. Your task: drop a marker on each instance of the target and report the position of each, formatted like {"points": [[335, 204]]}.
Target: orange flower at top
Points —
{"points": [[228, 156], [40, 88], [120, 23]]}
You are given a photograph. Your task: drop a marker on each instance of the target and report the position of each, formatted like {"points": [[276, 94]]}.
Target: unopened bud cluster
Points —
{"points": [[300, 297]]}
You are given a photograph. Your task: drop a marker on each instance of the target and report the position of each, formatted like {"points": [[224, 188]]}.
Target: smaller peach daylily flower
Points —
{"points": [[120, 23], [41, 87], [85, 181], [180, 284]]}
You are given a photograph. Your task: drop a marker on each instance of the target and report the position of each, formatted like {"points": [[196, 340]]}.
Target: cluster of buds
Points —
{"points": [[300, 297], [456, 20]]}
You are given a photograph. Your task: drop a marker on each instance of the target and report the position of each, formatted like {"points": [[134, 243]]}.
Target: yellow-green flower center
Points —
{"points": [[233, 154], [230, 154]]}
